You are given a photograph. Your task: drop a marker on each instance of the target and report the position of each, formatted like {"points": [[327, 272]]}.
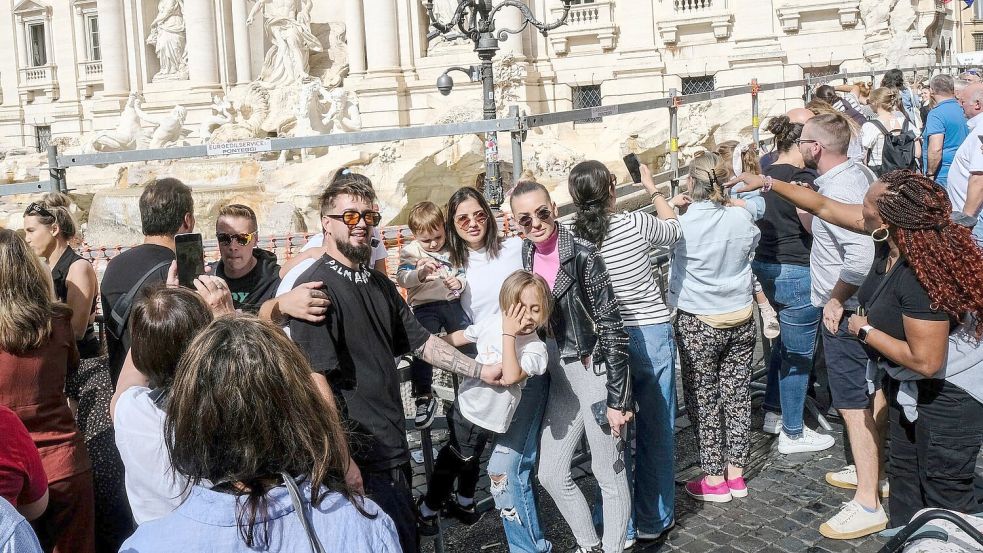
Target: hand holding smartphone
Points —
{"points": [[190, 258], [634, 168]]}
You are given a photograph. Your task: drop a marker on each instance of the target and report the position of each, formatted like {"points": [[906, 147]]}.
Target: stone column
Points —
{"points": [[202, 45], [382, 51], [511, 18], [115, 77], [81, 36], [240, 38], [25, 48], [355, 35]]}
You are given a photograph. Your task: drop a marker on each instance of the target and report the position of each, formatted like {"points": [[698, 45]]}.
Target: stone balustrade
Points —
{"points": [[591, 24], [42, 79]]}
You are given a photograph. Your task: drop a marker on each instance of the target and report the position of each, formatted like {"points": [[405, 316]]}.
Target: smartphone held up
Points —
{"points": [[190, 258], [634, 168]]}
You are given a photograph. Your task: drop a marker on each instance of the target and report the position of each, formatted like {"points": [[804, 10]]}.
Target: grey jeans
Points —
{"points": [[573, 390]]}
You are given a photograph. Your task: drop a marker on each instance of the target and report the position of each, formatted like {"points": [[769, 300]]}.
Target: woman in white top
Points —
{"points": [[887, 102], [163, 322], [488, 259], [627, 241]]}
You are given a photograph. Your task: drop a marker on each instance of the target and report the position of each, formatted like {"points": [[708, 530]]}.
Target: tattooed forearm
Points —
{"points": [[442, 355]]}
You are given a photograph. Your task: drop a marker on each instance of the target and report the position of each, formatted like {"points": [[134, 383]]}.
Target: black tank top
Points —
{"points": [[88, 345]]}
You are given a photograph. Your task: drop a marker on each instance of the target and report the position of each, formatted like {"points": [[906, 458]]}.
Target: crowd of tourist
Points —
{"points": [[260, 408]]}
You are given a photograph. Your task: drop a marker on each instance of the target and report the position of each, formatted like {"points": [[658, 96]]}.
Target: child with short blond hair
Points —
{"points": [[433, 290]]}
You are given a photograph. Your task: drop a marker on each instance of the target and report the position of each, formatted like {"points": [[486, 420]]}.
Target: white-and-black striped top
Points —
{"points": [[626, 250]]}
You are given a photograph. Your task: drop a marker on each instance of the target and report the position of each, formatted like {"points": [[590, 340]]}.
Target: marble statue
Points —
{"points": [[288, 23], [168, 39], [170, 129], [343, 115], [222, 114], [250, 107], [126, 135]]}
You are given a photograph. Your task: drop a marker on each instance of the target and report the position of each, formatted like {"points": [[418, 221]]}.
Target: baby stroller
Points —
{"points": [[949, 532]]}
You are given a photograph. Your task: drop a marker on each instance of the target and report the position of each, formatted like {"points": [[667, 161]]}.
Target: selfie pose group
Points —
{"points": [[246, 406]]}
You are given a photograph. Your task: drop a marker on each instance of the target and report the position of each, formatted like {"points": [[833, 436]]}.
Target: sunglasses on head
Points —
{"points": [[352, 217], [463, 221], [543, 214], [242, 239], [38, 209]]}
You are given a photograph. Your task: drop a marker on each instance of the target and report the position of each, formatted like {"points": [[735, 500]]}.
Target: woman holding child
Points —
{"points": [[591, 391]]}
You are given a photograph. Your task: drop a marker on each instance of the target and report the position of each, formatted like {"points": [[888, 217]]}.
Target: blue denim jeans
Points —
{"points": [[652, 359], [788, 288], [514, 457], [435, 316]]}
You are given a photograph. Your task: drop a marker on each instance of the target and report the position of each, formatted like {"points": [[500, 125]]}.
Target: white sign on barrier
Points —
{"points": [[240, 147]]}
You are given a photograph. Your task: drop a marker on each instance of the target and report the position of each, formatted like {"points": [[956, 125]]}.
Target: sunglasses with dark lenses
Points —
{"points": [[464, 221], [242, 239], [543, 214], [38, 209], [352, 217]]}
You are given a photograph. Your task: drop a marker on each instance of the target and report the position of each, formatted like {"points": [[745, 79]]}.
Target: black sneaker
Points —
{"points": [[466, 515], [426, 410], [426, 525]]}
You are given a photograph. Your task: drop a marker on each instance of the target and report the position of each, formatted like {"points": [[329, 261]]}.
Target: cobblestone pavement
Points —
{"points": [[788, 500]]}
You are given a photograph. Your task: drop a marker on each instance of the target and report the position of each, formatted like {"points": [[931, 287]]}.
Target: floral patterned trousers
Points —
{"points": [[716, 369]]}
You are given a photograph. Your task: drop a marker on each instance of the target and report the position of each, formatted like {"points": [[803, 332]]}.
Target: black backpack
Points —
{"points": [[899, 149]]}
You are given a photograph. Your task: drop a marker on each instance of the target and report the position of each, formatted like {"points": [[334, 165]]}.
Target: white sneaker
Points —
{"points": [[809, 441], [853, 521], [629, 543], [770, 326], [846, 478], [773, 423]]}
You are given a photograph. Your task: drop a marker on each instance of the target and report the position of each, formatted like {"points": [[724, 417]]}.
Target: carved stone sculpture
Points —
{"points": [[126, 135], [343, 115], [251, 105], [288, 23], [222, 114], [168, 39], [170, 129]]}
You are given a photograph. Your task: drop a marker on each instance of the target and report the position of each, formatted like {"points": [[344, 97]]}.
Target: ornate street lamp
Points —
{"points": [[475, 19]]}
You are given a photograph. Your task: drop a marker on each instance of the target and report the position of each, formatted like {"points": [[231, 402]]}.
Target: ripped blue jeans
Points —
{"points": [[511, 467]]}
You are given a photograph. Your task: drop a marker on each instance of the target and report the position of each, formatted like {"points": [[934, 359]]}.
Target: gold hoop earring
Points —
{"points": [[887, 234]]}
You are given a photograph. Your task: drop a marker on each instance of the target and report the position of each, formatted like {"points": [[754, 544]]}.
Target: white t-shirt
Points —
{"points": [[152, 487], [968, 160], [871, 138], [485, 277], [492, 407]]}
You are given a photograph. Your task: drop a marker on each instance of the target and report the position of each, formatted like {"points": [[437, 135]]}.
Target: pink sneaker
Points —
{"points": [[699, 489], [737, 487]]}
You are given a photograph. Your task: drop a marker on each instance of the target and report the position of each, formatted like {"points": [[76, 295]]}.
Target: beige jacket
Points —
{"points": [[418, 292]]}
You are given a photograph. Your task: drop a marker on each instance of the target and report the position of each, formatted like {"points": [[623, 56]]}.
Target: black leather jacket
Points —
{"points": [[586, 319]]}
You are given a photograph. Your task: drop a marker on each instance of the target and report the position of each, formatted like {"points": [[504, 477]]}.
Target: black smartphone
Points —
{"points": [[634, 168], [600, 410], [980, 136], [190, 258]]}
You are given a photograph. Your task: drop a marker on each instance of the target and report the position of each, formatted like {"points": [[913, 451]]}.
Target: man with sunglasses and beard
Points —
{"points": [[252, 273], [367, 326]]}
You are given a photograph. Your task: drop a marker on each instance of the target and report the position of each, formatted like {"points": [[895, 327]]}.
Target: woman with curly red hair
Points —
{"points": [[923, 319]]}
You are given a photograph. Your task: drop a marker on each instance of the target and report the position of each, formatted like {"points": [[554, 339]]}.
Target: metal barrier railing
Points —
{"points": [[514, 123]]}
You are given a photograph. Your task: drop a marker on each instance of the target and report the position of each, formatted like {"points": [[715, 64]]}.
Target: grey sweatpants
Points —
{"points": [[573, 389]]}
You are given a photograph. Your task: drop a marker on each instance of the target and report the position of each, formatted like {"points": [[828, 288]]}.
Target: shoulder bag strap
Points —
{"points": [[121, 309], [299, 509]]}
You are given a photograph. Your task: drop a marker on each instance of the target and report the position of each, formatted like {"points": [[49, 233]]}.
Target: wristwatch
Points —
{"points": [[862, 333]]}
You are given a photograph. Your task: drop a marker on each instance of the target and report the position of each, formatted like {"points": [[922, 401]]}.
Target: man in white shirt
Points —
{"points": [[965, 181], [839, 263]]}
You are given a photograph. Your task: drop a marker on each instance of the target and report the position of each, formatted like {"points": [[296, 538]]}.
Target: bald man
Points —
{"points": [[795, 115], [965, 179]]}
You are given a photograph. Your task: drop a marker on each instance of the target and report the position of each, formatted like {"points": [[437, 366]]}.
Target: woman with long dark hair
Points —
{"points": [[487, 258], [37, 355], [923, 303], [50, 229], [627, 241], [264, 453], [590, 392]]}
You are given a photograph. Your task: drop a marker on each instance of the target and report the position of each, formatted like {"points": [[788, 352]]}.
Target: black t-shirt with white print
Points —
{"points": [[366, 328]]}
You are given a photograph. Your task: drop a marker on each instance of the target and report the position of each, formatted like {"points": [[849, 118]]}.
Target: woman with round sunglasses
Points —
{"points": [[49, 229], [488, 259], [627, 241], [590, 390]]}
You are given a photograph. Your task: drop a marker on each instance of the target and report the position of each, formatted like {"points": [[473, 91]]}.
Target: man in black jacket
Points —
{"points": [[251, 273]]}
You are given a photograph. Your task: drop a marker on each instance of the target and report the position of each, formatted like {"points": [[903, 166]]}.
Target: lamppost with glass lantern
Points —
{"points": [[475, 19]]}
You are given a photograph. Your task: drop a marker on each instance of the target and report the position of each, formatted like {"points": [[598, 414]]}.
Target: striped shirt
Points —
{"points": [[626, 250]]}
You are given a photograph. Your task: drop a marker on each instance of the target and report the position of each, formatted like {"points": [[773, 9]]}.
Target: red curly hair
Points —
{"points": [[945, 258]]}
